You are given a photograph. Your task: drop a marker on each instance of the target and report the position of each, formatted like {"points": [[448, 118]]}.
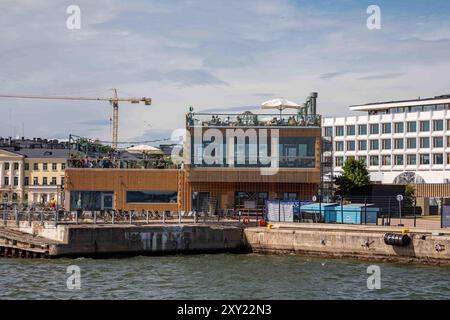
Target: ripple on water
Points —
{"points": [[220, 276]]}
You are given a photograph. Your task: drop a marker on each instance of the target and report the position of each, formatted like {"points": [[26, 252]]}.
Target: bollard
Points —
{"points": [[113, 215], [95, 217]]}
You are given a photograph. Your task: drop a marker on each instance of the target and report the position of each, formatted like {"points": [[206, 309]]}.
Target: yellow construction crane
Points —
{"points": [[114, 101]]}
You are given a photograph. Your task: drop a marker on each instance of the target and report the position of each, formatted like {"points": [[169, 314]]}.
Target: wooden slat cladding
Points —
{"points": [[122, 180], [433, 190], [284, 175]]}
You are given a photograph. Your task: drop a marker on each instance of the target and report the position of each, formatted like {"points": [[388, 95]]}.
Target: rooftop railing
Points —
{"points": [[251, 120]]}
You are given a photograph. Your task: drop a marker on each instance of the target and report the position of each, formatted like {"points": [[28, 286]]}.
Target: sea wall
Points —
{"points": [[350, 241]]}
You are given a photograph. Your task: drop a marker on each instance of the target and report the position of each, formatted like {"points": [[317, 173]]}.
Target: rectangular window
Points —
{"points": [[339, 131], [448, 124], [44, 167], [53, 181], [386, 144], [63, 166], [386, 128], [6, 166], [374, 128], [411, 126], [399, 127], [374, 161], [424, 159], [398, 143], [416, 108], [27, 181], [440, 107], [424, 126], [339, 146], [448, 158], [430, 107], [411, 159], [27, 166], [351, 145], [44, 181], [398, 160], [152, 196], [339, 161], [328, 131], [424, 142], [374, 144], [351, 130], [6, 181], [54, 166], [16, 181], [16, 166], [362, 129], [438, 142], [363, 159], [386, 160], [411, 143], [36, 166], [438, 158], [362, 145], [35, 181], [438, 125], [62, 181]]}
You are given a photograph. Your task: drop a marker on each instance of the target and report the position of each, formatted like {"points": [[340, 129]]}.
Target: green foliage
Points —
{"points": [[355, 175]]}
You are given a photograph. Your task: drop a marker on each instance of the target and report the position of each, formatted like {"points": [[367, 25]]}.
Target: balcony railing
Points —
{"points": [[251, 120]]}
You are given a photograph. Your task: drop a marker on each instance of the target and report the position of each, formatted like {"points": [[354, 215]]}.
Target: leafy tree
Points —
{"points": [[355, 175]]}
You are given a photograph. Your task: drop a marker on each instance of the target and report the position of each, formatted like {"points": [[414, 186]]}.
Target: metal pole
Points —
{"points": [[389, 212], [164, 217], [147, 218], [442, 212], [179, 217], [131, 215], [56, 218], [414, 211], [342, 211], [365, 210], [113, 216], [95, 217], [400, 212], [16, 214]]}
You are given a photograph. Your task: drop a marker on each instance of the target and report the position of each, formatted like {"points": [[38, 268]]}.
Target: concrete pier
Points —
{"points": [[107, 240], [352, 241]]}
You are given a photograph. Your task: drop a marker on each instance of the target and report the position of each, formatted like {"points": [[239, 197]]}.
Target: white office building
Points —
{"points": [[400, 141]]}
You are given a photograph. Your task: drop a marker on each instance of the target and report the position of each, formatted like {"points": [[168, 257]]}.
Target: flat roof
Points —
{"points": [[401, 103]]}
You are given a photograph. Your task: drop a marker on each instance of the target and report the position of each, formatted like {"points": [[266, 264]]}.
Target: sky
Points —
{"points": [[213, 55]]}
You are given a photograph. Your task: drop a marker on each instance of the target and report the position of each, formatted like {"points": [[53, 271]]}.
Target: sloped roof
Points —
{"points": [[44, 153]]}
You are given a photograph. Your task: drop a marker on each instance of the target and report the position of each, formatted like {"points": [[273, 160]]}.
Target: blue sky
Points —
{"points": [[213, 55]]}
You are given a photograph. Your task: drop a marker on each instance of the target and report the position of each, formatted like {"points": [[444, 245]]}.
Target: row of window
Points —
{"points": [[45, 166], [398, 160], [396, 127], [387, 144], [45, 181], [430, 107]]}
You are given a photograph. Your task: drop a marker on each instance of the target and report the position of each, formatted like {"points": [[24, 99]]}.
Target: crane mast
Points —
{"points": [[114, 101]]}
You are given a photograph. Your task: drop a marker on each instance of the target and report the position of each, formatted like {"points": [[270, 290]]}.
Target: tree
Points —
{"points": [[355, 175]]}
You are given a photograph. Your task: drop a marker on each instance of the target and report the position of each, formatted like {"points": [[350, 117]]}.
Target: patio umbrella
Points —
{"points": [[143, 148], [280, 104]]}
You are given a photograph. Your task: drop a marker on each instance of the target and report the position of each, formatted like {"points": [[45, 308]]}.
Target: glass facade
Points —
{"points": [[152, 196]]}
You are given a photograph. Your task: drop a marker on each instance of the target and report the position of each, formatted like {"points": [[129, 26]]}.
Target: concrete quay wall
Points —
{"points": [[350, 241], [104, 240]]}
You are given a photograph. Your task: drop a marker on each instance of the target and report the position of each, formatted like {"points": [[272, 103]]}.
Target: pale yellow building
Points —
{"points": [[32, 175]]}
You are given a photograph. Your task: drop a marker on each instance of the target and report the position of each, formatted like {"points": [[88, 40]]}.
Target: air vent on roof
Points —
{"points": [[48, 153]]}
